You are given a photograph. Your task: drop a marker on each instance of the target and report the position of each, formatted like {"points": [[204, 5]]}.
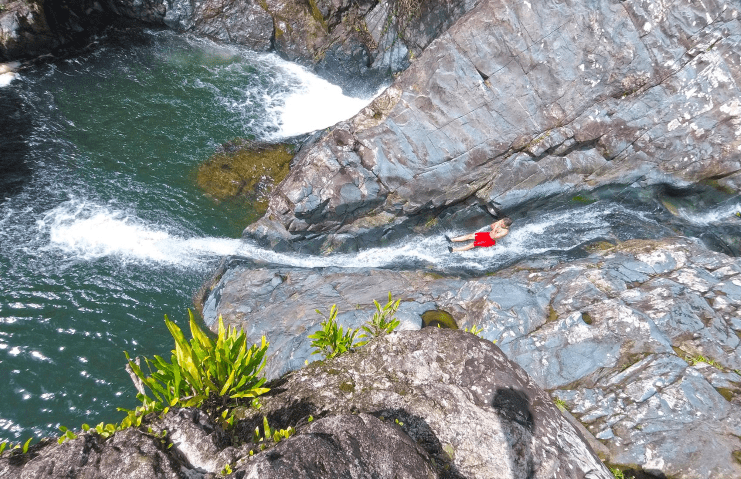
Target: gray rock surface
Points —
{"points": [[347, 42], [456, 396], [130, 454], [414, 404], [345, 445], [626, 337], [520, 100]]}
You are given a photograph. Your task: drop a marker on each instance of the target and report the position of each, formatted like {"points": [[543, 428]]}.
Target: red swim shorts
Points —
{"points": [[483, 239]]}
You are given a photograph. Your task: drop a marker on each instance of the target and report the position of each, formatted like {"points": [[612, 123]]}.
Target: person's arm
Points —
{"points": [[500, 232]]}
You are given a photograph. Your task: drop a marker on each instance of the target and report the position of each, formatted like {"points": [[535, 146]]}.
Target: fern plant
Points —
{"points": [[331, 339], [382, 322], [204, 373], [475, 330]]}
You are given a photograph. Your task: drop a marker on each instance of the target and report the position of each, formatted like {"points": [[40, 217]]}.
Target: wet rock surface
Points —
{"points": [[414, 404], [36, 28], [354, 44], [517, 101], [639, 339]]}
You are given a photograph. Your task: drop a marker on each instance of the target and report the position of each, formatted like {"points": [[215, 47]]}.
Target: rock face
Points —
{"points": [[350, 43], [32, 28], [24, 30], [456, 396], [130, 453], [640, 340], [518, 101], [415, 404]]}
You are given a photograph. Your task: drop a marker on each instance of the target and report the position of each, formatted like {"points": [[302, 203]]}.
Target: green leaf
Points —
{"points": [[198, 333], [28, 442]]}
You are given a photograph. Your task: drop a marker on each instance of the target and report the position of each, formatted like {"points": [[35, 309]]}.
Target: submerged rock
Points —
{"points": [[427, 404], [245, 169], [639, 339]]}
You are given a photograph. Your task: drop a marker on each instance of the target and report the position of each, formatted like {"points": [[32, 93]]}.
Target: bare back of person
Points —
{"points": [[482, 239]]}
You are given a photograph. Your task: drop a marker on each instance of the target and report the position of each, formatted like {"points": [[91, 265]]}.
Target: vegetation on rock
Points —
{"points": [[332, 340], [212, 375], [245, 169], [438, 318]]}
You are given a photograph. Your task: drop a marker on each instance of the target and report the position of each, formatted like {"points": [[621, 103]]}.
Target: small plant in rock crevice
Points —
{"points": [[212, 375], [560, 403], [475, 330], [332, 340], [15, 448], [383, 321], [269, 435], [692, 360]]}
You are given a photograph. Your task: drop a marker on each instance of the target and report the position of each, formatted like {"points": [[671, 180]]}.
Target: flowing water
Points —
{"points": [[102, 230]]}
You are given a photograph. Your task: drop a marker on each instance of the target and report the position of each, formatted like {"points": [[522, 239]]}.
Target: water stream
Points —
{"points": [[102, 230]]}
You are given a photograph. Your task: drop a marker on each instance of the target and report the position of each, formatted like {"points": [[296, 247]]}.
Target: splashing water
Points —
{"points": [[88, 232], [715, 215]]}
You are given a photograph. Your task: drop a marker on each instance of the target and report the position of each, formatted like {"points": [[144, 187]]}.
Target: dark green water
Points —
{"points": [[102, 230]]}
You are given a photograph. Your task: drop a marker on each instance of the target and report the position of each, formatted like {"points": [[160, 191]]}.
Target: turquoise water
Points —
{"points": [[108, 232]]}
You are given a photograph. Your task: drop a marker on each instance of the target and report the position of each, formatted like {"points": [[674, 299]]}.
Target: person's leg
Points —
{"points": [[468, 237], [463, 248]]}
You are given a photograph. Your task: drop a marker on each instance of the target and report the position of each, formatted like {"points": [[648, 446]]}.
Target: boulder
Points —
{"points": [[443, 397], [129, 453], [639, 340], [414, 404], [518, 101], [24, 30]]}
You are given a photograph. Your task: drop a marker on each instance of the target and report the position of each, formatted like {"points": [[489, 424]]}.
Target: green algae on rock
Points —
{"points": [[438, 318], [247, 169]]}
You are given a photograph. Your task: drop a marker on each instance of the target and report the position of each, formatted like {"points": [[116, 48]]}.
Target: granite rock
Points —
{"points": [[640, 339], [518, 101], [458, 400], [413, 404]]}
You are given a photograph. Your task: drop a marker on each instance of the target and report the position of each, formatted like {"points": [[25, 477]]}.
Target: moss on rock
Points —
{"points": [[242, 168], [438, 318]]}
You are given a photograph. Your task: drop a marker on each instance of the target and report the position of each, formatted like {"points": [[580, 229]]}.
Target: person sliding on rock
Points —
{"points": [[499, 229]]}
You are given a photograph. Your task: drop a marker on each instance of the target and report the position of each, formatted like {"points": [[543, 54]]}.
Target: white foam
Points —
{"points": [[315, 103], [724, 213], [86, 231], [7, 78]]}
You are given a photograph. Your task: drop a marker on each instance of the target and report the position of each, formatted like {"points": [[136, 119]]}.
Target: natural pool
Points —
{"points": [[102, 229]]}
